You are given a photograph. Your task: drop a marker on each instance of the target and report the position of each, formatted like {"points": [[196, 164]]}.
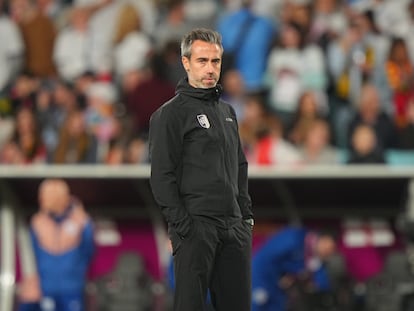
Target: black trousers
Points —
{"points": [[213, 258]]}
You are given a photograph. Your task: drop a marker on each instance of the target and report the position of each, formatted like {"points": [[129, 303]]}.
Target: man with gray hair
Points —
{"points": [[199, 180]]}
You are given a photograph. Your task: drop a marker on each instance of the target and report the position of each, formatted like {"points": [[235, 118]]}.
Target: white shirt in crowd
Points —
{"points": [[292, 71], [70, 53], [11, 50], [102, 28], [131, 53]]}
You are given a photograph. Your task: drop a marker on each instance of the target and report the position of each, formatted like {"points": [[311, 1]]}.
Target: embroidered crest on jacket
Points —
{"points": [[203, 120]]}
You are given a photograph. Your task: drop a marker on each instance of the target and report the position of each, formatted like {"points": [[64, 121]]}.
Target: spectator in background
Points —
{"points": [[10, 153], [75, 144], [369, 112], [316, 148], [234, 92], [116, 152], [298, 12], [292, 68], [355, 58], [52, 8], [44, 99], [132, 47], [11, 61], [400, 77], [169, 63], [405, 133], [364, 147], [6, 129], [130, 80], [137, 151], [62, 237], [52, 108], [27, 137], [71, 46], [23, 92], [408, 35], [290, 257], [342, 58], [392, 17], [251, 56], [149, 94], [202, 13], [102, 25], [253, 126], [148, 14], [12, 52], [127, 149], [100, 116], [377, 47], [341, 64], [272, 148], [328, 22], [131, 149], [173, 26], [81, 85], [308, 110], [38, 32]]}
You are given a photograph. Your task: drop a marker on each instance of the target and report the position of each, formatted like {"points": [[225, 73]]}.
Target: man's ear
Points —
{"points": [[186, 62]]}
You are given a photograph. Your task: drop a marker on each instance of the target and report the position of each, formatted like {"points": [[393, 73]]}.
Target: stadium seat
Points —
{"points": [[399, 157]]}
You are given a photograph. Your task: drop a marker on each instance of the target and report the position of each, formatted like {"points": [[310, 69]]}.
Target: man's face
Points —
{"points": [[54, 197], [203, 67], [326, 247]]}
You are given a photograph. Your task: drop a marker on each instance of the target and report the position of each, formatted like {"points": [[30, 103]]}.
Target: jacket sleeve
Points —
{"points": [[243, 199], [165, 147]]}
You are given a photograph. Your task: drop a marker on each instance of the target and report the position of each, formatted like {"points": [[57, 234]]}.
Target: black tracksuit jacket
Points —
{"points": [[198, 168]]}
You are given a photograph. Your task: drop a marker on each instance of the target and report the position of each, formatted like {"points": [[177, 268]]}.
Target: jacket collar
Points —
{"points": [[210, 94]]}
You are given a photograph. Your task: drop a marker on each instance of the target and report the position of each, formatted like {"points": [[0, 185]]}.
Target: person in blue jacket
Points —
{"points": [[249, 36], [285, 257], [63, 244]]}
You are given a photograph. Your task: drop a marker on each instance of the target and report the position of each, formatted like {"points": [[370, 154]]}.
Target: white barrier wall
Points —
{"points": [[294, 192]]}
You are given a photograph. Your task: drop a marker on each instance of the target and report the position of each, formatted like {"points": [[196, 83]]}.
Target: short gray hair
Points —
{"points": [[203, 34]]}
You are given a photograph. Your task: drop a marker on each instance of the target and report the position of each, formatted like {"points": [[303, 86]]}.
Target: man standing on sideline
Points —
{"points": [[199, 180]]}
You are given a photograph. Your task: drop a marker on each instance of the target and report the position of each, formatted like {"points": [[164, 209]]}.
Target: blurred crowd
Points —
{"points": [[312, 82]]}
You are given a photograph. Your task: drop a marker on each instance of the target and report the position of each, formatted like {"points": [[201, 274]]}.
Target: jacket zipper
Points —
{"points": [[223, 150]]}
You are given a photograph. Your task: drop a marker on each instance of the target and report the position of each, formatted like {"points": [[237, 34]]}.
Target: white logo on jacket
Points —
{"points": [[203, 120]]}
